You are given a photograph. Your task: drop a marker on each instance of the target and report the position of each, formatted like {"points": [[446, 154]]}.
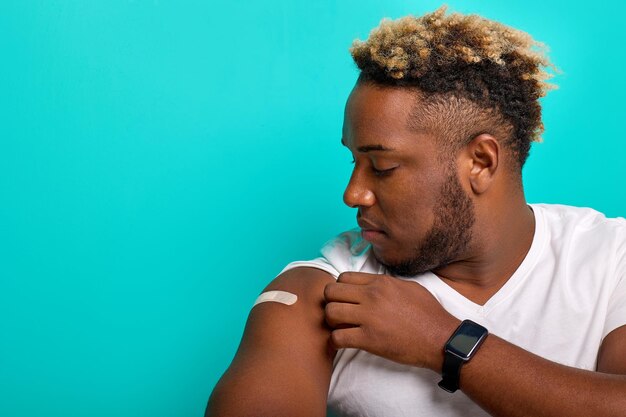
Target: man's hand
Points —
{"points": [[389, 317]]}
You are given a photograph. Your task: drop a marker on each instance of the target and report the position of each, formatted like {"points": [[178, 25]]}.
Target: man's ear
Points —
{"points": [[483, 155]]}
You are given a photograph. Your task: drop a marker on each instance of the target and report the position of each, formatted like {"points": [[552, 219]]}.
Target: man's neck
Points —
{"points": [[501, 244]]}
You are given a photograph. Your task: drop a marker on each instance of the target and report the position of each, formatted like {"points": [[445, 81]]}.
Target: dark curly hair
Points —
{"points": [[474, 75]]}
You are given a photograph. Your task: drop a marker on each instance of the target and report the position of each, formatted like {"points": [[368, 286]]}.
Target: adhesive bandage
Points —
{"points": [[282, 297]]}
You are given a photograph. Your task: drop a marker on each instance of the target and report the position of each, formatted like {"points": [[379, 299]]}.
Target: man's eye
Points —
{"points": [[382, 172]]}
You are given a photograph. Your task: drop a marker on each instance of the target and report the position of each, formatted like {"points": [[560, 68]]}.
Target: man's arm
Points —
{"points": [[366, 311], [508, 381], [612, 355], [284, 362]]}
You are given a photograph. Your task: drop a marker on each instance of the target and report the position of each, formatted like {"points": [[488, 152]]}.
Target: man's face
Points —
{"points": [[411, 205]]}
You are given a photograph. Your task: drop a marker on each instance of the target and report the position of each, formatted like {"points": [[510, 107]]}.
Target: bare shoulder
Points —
{"points": [[281, 326], [305, 282], [612, 355], [284, 362]]}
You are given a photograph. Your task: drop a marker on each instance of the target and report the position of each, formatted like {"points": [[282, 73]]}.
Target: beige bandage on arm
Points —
{"points": [[282, 297]]}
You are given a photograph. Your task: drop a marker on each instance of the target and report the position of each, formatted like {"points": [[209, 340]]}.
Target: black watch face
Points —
{"points": [[466, 339]]}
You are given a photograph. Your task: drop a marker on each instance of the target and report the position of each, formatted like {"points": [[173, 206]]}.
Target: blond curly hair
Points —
{"points": [[490, 72]]}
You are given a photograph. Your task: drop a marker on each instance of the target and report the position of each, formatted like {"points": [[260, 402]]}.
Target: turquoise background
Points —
{"points": [[161, 161]]}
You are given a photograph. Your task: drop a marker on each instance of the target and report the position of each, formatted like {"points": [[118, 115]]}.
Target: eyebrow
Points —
{"points": [[368, 148]]}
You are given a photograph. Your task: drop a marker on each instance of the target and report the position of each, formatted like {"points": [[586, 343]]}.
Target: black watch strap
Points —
{"points": [[451, 373]]}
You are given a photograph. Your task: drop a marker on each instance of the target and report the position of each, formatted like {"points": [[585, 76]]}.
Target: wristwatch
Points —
{"points": [[459, 349]]}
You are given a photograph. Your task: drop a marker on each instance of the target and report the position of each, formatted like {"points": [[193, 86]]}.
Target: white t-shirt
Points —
{"points": [[565, 297]]}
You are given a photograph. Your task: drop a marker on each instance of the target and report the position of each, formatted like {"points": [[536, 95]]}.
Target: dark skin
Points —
{"points": [[284, 363]]}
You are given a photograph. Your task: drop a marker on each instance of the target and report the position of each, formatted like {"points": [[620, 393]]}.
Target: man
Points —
{"points": [[440, 124]]}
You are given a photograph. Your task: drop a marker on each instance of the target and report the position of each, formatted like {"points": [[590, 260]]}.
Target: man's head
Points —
{"points": [[440, 123], [473, 74]]}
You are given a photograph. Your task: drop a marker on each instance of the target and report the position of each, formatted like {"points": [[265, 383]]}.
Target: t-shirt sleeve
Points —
{"points": [[346, 252], [319, 263], [616, 312]]}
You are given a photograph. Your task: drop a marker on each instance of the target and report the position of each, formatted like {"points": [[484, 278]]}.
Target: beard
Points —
{"points": [[449, 236]]}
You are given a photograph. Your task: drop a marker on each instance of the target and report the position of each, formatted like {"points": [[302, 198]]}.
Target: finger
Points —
{"points": [[342, 314], [342, 292], [351, 337], [358, 278]]}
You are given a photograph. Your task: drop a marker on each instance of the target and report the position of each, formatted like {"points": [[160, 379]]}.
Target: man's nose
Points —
{"points": [[358, 194]]}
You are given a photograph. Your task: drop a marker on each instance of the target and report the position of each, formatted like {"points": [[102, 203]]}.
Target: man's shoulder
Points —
{"points": [[347, 251], [582, 218], [584, 231]]}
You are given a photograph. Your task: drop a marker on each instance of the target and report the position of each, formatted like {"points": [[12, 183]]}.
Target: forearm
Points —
{"points": [[508, 381], [503, 379]]}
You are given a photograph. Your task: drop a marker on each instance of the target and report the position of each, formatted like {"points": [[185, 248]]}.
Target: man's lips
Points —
{"points": [[372, 236], [370, 231]]}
